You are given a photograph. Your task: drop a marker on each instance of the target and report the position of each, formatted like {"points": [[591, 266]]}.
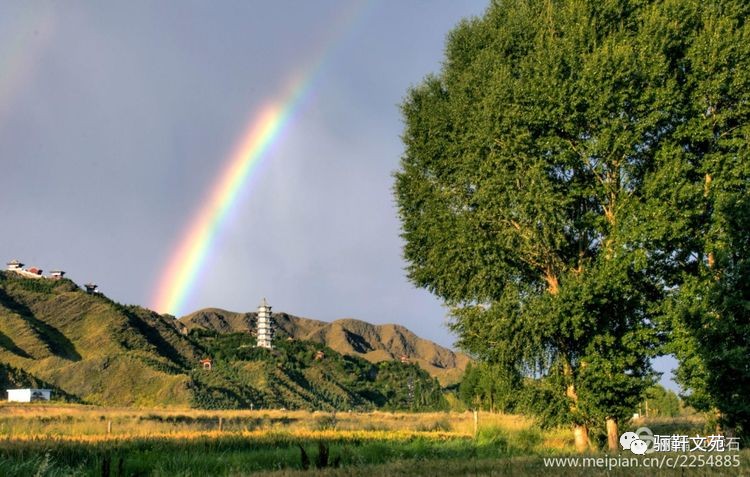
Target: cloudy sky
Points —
{"points": [[117, 118]]}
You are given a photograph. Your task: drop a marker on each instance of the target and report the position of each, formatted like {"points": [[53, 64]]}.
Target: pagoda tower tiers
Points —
{"points": [[265, 325]]}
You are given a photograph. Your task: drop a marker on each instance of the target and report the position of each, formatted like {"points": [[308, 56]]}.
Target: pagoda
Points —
{"points": [[264, 325]]}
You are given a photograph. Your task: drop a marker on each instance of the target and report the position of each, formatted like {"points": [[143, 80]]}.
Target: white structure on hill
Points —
{"points": [[15, 265], [29, 395], [264, 325]]}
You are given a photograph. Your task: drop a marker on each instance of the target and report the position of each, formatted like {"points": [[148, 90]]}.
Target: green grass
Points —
{"points": [[44, 442], [279, 454], [219, 456]]}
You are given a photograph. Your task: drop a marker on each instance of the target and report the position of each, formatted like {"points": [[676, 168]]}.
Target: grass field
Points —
{"points": [[57, 440]]}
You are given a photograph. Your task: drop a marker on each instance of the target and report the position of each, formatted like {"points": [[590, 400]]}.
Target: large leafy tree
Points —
{"points": [[710, 310], [550, 191]]}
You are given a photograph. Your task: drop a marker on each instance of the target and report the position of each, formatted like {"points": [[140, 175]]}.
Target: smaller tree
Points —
{"points": [[661, 402], [468, 389], [490, 387]]}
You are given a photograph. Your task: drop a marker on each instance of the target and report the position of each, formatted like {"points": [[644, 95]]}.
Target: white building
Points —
{"points": [[28, 395], [15, 265], [265, 325]]}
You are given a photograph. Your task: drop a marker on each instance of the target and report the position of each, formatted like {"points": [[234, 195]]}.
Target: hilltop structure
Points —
{"points": [[14, 266], [265, 325], [92, 288], [17, 267]]}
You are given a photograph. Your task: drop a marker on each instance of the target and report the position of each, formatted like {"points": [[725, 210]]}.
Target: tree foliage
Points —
{"points": [[710, 310], [662, 402], [556, 188], [489, 387], [294, 375]]}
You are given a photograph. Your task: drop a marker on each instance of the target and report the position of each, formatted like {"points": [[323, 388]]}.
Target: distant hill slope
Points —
{"points": [[90, 346], [86, 347], [12, 378], [375, 343]]}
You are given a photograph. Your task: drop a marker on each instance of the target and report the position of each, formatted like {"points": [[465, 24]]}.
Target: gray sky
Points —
{"points": [[117, 117]]}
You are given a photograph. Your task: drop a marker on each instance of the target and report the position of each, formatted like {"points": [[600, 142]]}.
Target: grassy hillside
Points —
{"points": [[305, 375], [375, 343], [14, 378], [89, 347]]}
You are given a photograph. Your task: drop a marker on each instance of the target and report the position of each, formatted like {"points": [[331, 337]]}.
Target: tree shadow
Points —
{"points": [[154, 337], [7, 343], [57, 342]]}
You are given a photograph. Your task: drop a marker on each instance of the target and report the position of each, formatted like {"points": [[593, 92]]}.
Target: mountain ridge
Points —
{"points": [[373, 342], [88, 348]]}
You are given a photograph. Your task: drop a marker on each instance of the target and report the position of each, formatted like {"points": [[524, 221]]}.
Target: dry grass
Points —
{"points": [[186, 442], [19, 421], [81, 422]]}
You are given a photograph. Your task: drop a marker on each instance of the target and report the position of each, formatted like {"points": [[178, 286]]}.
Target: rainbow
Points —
{"points": [[179, 276]]}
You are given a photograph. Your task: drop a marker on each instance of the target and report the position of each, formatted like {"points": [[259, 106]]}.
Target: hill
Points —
{"points": [[375, 343], [90, 348], [302, 374]]}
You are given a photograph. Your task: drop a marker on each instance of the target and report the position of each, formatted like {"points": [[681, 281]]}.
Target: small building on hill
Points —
{"points": [[29, 395], [56, 274], [14, 266], [92, 288], [264, 325], [17, 267], [207, 363]]}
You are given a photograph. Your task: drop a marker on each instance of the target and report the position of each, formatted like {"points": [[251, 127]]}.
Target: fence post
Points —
{"points": [[476, 423], [109, 427], [221, 424]]}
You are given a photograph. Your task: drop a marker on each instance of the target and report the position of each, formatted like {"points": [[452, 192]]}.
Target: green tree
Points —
{"points": [[468, 390], [490, 387], [711, 307], [552, 190], [661, 402]]}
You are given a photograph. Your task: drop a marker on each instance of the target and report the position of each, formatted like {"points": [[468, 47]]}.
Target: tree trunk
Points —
{"points": [[570, 389], [613, 440], [581, 434]]}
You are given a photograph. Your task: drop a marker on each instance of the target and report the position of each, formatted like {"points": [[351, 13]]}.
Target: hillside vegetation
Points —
{"points": [[87, 347], [375, 343]]}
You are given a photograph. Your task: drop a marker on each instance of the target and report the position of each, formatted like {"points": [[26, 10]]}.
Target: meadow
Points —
{"points": [[57, 440]]}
